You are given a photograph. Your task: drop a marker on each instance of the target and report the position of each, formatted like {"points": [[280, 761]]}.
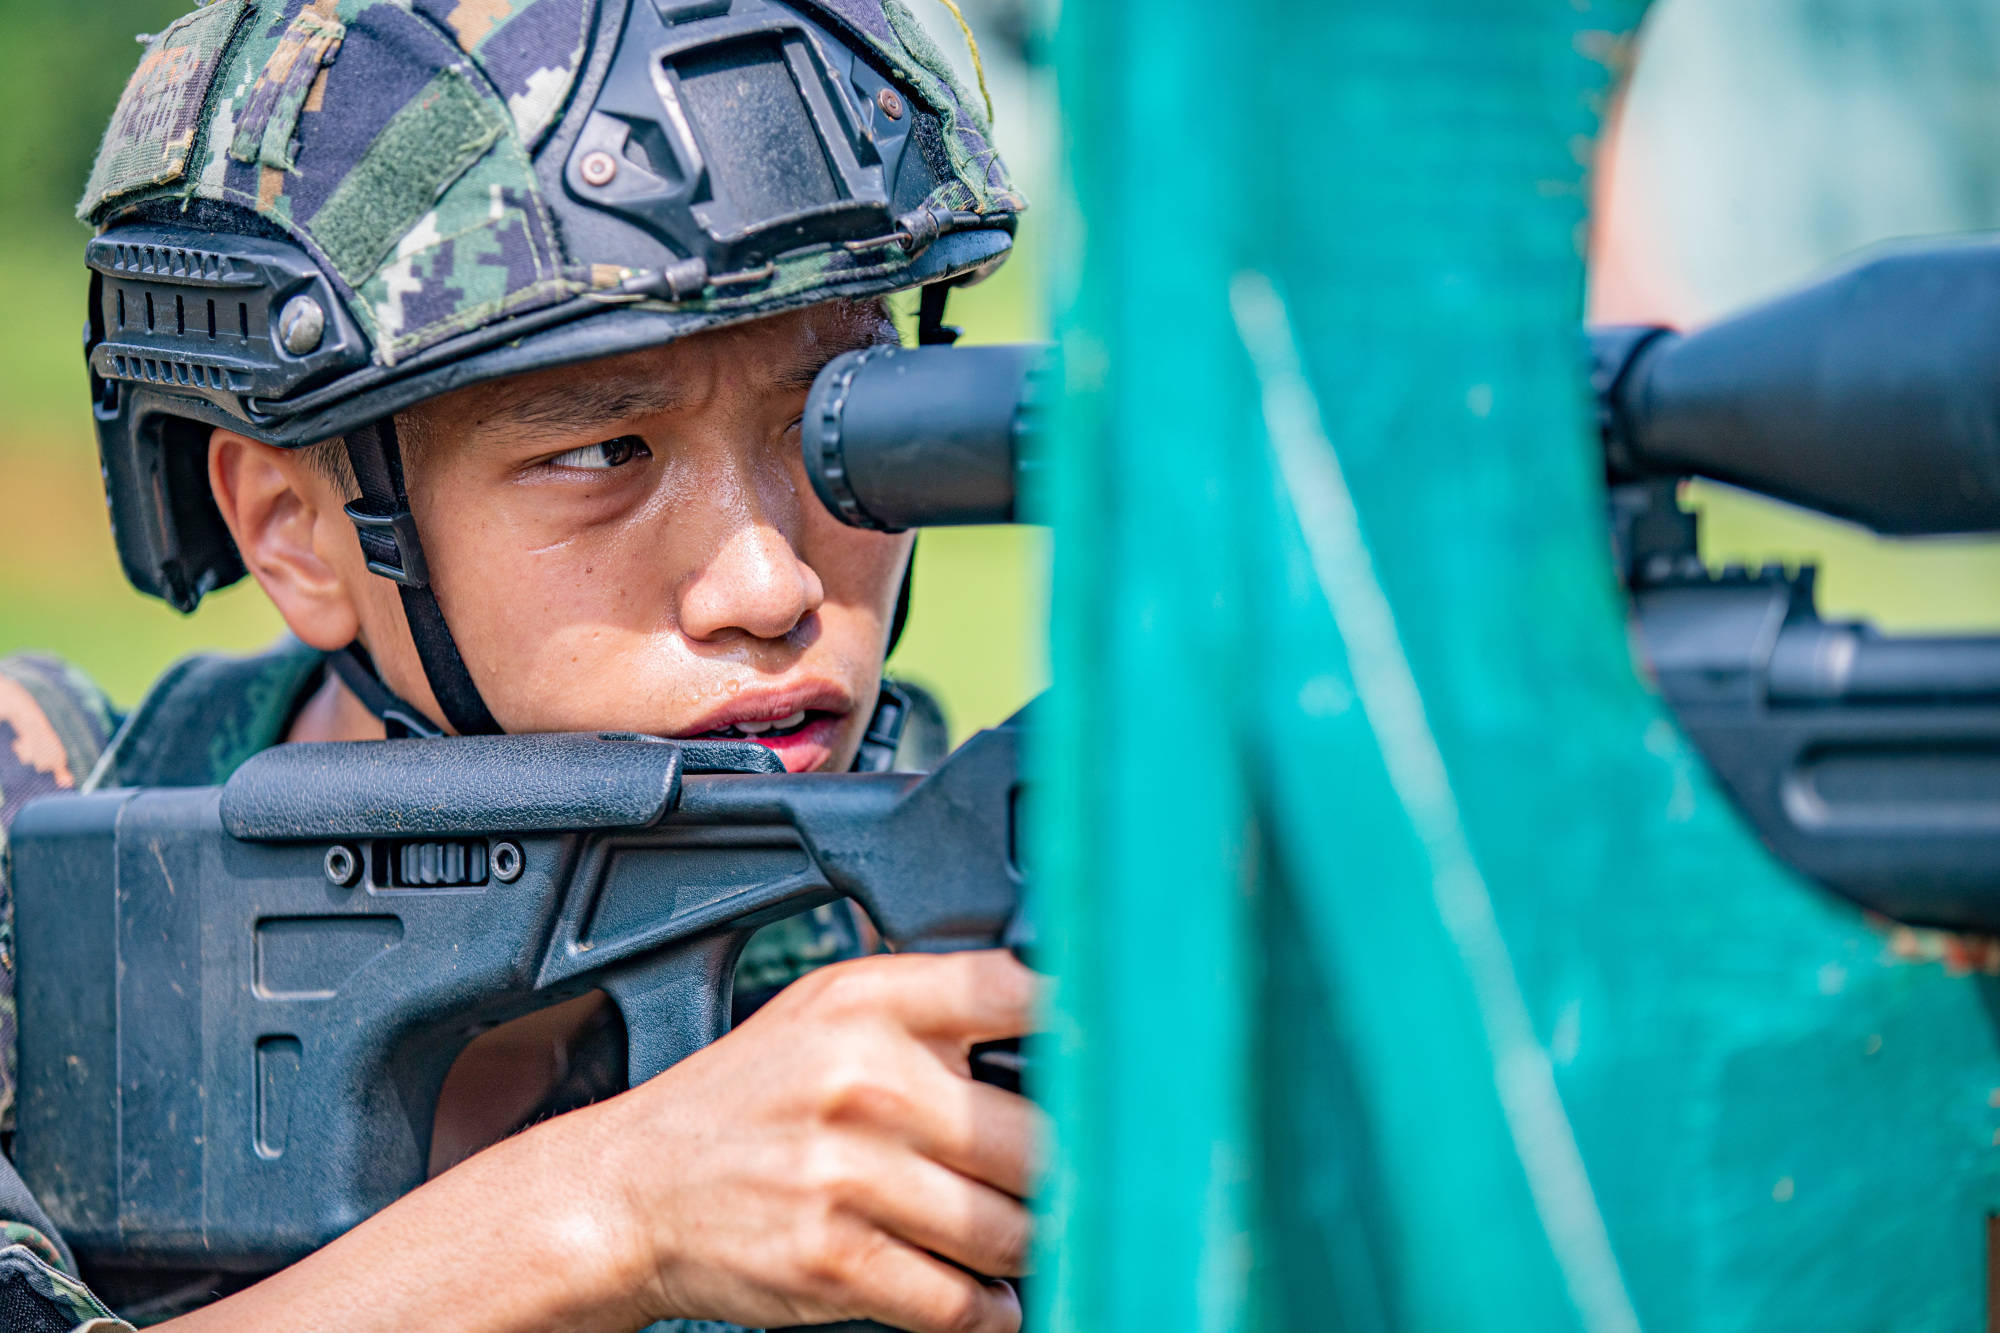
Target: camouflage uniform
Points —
{"points": [[36, 1296], [195, 727], [53, 725]]}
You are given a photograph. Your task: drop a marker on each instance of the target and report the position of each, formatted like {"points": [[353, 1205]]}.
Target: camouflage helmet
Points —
{"points": [[312, 214]]}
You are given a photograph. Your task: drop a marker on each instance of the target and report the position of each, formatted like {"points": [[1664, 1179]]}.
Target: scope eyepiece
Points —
{"points": [[912, 437]]}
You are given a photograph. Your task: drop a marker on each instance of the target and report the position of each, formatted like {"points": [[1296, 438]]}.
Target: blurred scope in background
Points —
{"points": [[1754, 147]]}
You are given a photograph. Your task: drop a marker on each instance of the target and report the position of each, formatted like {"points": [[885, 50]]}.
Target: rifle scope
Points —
{"points": [[1872, 395], [912, 437]]}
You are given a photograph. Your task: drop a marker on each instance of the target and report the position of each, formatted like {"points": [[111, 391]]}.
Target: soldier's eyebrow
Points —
{"points": [[799, 371], [584, 404], [599, 401]]}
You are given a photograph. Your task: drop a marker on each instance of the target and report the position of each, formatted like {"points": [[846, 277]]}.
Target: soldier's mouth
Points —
{"points": [[774, 729], [803, 741], [801, 724]]}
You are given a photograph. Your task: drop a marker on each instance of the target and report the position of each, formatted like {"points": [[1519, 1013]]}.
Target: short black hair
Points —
{"points": [[329, 457]]}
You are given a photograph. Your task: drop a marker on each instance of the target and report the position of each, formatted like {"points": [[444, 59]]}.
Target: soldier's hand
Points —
{"points": [[814, 1164]]}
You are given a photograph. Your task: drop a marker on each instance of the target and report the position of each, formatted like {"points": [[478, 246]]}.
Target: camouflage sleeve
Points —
{"points": [[53, 723], [38, 1297]]}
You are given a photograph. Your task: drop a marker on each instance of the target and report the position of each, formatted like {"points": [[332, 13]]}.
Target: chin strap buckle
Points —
{"points": [[885, 731], [389, 544]]}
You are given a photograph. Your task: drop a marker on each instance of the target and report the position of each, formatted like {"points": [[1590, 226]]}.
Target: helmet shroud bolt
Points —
{"points": [[597, 168], [890, 102], [301, 324]]}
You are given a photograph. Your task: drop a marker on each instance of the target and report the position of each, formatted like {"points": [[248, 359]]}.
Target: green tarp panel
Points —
{"points": [[1412, 972]]}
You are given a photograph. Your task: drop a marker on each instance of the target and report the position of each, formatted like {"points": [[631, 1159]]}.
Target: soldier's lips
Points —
{"points": [[802, 739], [803, 749], [796, 722]]}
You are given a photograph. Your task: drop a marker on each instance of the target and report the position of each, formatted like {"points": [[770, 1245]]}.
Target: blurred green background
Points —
{"points": [[1758, 140], [977, 626]]}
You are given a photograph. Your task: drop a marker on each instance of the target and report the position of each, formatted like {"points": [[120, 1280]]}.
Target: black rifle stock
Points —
{"points": [[238, 1004]]}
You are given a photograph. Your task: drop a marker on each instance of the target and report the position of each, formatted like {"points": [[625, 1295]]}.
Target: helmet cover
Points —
{"points": [[315, 213]]}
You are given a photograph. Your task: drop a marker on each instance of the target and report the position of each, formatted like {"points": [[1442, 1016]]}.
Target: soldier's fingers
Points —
{"points": [[980, 1131], [929, 1205], [920, 1096], [908, 1289], [960, 997]]}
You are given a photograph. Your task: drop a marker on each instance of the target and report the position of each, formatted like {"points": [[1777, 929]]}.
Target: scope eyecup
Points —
{"points": [[910, 437], [1616, 351]]}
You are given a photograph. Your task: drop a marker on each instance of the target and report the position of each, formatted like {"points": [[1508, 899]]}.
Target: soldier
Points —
{"points": [[478, 333]]}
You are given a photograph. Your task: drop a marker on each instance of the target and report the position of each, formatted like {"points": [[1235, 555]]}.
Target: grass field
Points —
{"points": [[1905, 587]]}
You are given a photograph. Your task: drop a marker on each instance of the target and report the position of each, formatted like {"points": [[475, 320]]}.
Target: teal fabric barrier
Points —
{"points": [[1412, 972]]}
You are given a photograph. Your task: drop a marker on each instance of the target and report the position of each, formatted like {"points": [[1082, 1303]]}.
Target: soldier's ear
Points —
{"points": [[286, 517]]}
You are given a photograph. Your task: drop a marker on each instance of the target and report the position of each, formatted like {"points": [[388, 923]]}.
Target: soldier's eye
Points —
{"points": [[604, 455]]}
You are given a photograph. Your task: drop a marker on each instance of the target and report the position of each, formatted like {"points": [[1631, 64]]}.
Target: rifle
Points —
{"points": [[1868, 762], [238, 1004]]}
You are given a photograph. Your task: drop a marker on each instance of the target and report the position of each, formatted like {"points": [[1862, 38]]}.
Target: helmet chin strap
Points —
{"points": [[388, 533], [400, 718], [901, 619]]}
